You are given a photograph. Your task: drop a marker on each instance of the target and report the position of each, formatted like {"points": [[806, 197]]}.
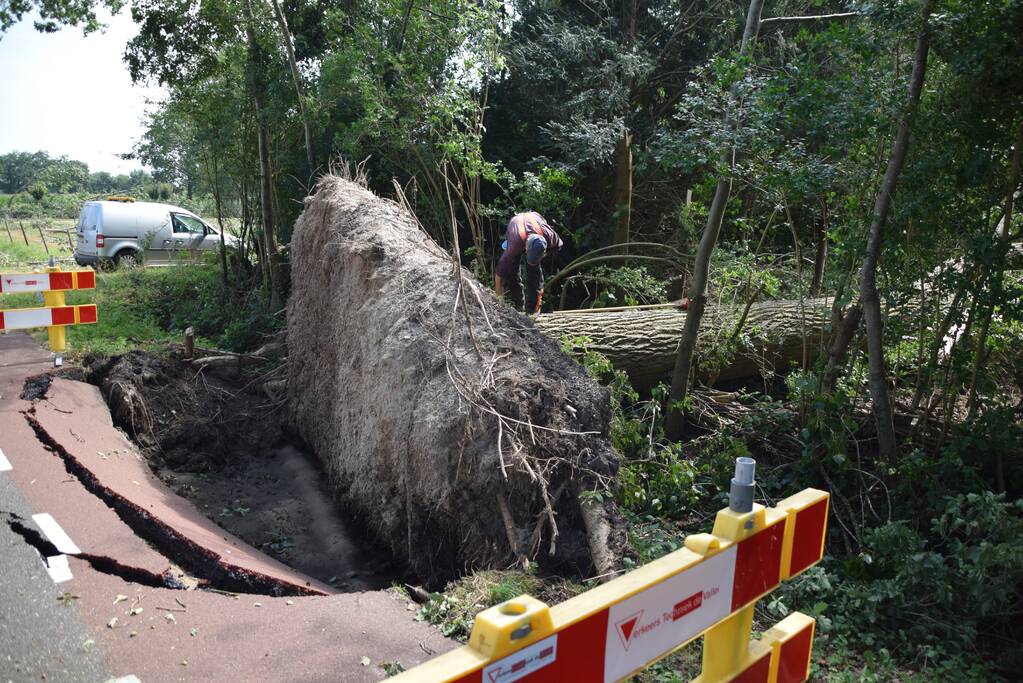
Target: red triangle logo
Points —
{"points": [[627, 626]]}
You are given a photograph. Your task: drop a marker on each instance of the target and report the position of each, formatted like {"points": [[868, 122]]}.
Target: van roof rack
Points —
{"points": [[120, 199]]}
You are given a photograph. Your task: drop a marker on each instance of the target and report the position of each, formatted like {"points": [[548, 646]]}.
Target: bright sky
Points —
{"points": [[66, 93]]}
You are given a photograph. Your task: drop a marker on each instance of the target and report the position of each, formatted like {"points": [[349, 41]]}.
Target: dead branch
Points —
{"points": [[774, 21]]}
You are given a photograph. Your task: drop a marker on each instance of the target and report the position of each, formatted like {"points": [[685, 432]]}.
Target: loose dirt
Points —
{"points": [[281, 505], [222, 446]]}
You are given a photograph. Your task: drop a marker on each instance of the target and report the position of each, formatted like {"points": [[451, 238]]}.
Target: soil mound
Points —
{"points": [[187, 421], [458, 433]]}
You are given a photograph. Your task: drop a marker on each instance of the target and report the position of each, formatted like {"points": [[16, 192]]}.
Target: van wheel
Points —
{"points": [[128, 260]]}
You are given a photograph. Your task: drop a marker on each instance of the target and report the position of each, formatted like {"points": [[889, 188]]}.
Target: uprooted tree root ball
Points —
{"points": [[461, 435]]}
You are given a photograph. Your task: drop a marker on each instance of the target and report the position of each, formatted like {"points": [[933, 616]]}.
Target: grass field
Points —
{"points": [[24, 243]]}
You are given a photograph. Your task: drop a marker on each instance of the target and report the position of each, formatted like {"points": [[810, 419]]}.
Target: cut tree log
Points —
{"points": [[643, 342], [428, 401]]}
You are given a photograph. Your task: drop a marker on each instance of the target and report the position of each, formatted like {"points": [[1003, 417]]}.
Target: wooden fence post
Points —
{"points": [[43, 238]]}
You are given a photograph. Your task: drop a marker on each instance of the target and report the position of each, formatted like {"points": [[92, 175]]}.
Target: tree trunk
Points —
{"points": [[623, 188], [820, 259], [642, 340], [843, 330], [258, 87], [878, 380], [799, 274], [282, 24], [997, 286], [246, 214], [404, 27], [215, 185], [674, 420], [643, 343]]}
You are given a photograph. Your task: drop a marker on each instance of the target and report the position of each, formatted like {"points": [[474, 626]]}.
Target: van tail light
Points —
{"points": [[99, 241]]}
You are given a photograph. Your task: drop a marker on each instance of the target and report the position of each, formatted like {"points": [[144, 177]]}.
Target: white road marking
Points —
{"points": [[132, 678], [58, 569], [56, 535], [5, 464]]}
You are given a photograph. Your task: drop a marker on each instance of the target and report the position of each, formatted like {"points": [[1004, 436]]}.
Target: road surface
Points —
{"points": [[140, 584]]}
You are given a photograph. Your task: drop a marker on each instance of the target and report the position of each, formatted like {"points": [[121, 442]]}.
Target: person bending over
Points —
{"points": [[529, 234]]}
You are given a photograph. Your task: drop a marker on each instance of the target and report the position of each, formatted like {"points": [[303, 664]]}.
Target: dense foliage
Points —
{"points": [[620, 121], [21, 171]]}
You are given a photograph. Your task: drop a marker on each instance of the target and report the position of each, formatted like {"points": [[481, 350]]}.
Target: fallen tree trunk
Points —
{"points": [[643, 340], [643, 343], [454, 430]]}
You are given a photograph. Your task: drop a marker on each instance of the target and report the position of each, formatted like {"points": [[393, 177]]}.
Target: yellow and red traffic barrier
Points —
{"points": [[710, 587], [55, 280], [57, 315]]}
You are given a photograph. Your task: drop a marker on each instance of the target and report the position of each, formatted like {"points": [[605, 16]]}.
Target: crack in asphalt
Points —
{"points": [[200, 563], [20, 526], [100, 563]]}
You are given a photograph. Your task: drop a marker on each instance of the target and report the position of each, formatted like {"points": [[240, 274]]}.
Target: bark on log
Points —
{"points": [[643, 343], [642, 340], [396, 371]]}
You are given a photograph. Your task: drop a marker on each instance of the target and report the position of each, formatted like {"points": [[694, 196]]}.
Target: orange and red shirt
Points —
{"points": [[520, 227]]}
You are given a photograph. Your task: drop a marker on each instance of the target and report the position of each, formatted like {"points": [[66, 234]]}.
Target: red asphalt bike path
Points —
{"points": [[207, 635], [75, 416], [42, 478]]}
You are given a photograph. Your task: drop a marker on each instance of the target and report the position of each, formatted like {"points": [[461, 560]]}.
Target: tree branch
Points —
{"points": [[770, 21], [578, 264]]}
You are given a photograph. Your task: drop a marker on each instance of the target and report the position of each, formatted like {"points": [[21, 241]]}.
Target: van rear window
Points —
{"points": [[87, 218]]}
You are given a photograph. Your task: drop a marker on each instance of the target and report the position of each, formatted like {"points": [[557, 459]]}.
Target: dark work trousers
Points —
{"points": [[534, 288]]}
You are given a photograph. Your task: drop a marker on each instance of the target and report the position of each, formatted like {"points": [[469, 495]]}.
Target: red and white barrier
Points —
{"points": [[24, 318], [59, 281], [57, 315], [623, 626]]}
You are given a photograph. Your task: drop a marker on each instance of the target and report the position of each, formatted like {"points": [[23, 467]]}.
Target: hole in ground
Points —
{"points": [[281, 504], [219, 444]]}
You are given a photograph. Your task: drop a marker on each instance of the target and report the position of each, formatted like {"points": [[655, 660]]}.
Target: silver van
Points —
{"points": [[129, 233]]}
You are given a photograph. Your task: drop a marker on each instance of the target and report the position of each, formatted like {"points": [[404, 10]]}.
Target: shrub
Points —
{"points": [[937, 594], [141, 306]]}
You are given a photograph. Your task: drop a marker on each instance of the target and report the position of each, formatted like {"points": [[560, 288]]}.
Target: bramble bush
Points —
{"points": [[934, 597]]}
